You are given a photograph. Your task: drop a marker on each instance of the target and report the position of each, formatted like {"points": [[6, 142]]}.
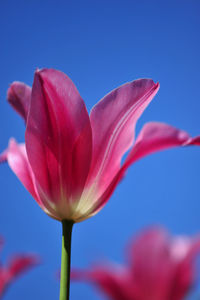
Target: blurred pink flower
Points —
{"points": [[159, 267], [16, 266], [71, 162]]}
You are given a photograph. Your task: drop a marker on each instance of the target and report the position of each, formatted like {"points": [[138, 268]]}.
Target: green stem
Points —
{"points": [[65, 260]]}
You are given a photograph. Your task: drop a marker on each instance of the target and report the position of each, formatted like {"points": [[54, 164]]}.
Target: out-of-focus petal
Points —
{"points": [[159, 267], [194, 141], [184, 250], [151, 265], [19, 96], [154, 240], [58, 136], [16, 266], [20, 264], [3, 156], [163, 266], [3, 282], [113, 122], [115, 283]]}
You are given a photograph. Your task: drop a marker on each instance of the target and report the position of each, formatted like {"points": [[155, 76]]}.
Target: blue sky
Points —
{"points": [[101, 45]]}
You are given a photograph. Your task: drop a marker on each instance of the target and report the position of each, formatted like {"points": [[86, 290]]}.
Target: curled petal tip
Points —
{"points": [[11, 144], [37, 70], [12, 140], [194, 141], [18, 95], [4, 154], [158, 84], [11, 94]]}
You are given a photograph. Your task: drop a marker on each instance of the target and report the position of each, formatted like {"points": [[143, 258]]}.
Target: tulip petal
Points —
{"points": [[154, 136], [115, 282], [151, 265], [21, 263], [19, 97], [184, 251], [194, 141], [159, 267], [58, 136], [17, 159], [16, 267], [147, 255], [18, 162], [162, 264], [113, 121], [3, 281]]}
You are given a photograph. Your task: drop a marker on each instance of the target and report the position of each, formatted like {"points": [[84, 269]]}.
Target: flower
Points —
{"points": [[17, 265], [159, 267], [71, 162]]}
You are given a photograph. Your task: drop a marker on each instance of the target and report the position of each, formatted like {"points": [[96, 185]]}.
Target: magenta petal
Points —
{"points": [[114, 281], [151, 264], [18, 265], [21, 263], [154, 137], [18, 162], [58, 136], [113, 122], [159, 267], [17, 159], [19, 96], [194, 141], [188, 249], [163, 265], [3, 281], [185, 251]]}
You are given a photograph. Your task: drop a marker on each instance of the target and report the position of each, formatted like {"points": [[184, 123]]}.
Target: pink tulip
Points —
{"points": [[159, 267], [17, 265], [71, 162]]}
